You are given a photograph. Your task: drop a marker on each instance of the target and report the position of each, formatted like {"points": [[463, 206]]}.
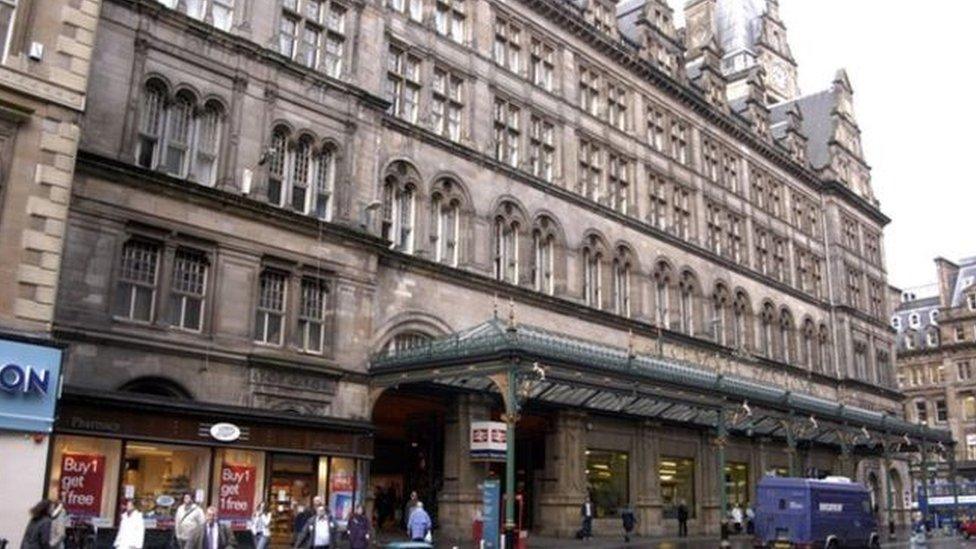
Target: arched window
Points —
{"points": [[721, 303], [325, 175], [741, 312], [688, 287], [301, 174], [152, 116], [207, 143], [507, 245], [593, 251], [277, 165], [663, 279], [445, 210], [179, 120], [823, 341], [543, 257], [808, 345], [766, 319], [786, 337], [621, 282], [399, 206], [407, 340]]}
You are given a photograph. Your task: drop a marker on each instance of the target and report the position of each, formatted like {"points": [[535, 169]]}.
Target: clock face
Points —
{"points": [[779, 76]]}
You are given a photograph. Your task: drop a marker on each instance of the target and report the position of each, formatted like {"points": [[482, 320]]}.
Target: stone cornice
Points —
{"points": [[39, 88]]}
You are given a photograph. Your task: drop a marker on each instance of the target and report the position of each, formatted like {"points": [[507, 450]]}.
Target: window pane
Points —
{"points": [[153, 471], [677, 478], [89, 501], [607, 477]]}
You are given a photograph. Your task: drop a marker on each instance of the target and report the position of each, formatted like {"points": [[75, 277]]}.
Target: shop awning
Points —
{"points": [[595, 376]]}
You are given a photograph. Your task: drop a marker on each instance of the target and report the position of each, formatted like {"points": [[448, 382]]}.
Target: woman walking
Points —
{"points": [[358, 529], [261, 526], [38, 532]]}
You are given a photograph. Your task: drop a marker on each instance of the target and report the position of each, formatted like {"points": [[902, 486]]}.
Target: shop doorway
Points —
{"points": [[291, 486], [409, 454]]}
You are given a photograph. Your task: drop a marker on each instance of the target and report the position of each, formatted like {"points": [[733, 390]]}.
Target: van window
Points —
{"points": [[782, 504], [866, 506]]}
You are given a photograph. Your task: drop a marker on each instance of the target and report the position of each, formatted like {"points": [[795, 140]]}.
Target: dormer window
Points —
{"points": [[604, 17], [909, 342], [934, 316], [913, 320], [932, 338], [896, 322], [971, 301]]}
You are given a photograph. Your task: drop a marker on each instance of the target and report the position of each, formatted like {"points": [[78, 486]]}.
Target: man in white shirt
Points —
{"points": [[189, 517], [132, 530], [318, 532]]}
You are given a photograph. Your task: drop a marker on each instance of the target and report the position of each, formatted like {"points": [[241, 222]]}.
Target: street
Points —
{"points": [[712, 543]]}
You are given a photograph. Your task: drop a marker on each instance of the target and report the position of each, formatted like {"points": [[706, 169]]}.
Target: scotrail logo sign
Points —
{"points": [[29, 378]]}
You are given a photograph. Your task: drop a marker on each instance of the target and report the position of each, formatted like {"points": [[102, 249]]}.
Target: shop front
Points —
{"points": [[109, 448]]}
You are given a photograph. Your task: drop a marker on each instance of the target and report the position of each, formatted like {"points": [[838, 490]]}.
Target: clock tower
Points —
{"points": [[773, 54]]}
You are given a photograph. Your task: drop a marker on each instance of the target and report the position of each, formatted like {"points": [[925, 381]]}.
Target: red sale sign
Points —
{"points": [[236, 497], [82, 476]]}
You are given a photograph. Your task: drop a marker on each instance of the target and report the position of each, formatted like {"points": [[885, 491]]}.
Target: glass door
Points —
{"points": [[291, 486]]}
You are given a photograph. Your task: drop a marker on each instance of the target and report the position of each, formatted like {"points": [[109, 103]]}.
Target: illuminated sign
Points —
{"points": [[29, 378], [488, 440]]}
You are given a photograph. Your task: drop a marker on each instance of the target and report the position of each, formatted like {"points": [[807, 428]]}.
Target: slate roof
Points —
{"points": [[817, 109], [965, 279]]}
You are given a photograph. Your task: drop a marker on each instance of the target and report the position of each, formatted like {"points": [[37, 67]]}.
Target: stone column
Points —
{"points": [[460, 498], [710, 515], [564, 481], [647, 502]]}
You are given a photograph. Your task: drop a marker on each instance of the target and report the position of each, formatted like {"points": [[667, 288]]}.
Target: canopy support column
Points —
{"points": [[951, 451], [924, 470], [886, 445], [721, 439]]}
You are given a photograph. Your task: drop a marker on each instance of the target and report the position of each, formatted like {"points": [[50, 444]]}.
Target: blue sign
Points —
{"points": [[492, 499], [29, 379]]}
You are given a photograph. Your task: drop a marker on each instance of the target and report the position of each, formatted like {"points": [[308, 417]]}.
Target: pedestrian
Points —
{"points": [[418, 525], [629, 520], [132, 531], [261, 525], [189, 518], [59, 524], [737, 515], [750, 520], [212, 534], [410, 506], [358, 529], [38, 532], [682, 519], [318, 532], [586, 513]]}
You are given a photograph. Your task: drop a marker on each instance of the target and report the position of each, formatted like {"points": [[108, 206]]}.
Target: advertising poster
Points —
{"points": [[491, 499], [82, 477], [341, 492], [236, 497]]}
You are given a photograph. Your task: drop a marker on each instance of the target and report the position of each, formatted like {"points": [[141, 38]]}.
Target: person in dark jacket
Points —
{"points": [[38, 532], [682, 519], [358, 529], [586, 513], [628, 520], [319, 532]]}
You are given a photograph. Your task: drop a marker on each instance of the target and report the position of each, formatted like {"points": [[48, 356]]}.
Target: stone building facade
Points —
{"points": [[936, 355], [268, 193], [46, 48]]}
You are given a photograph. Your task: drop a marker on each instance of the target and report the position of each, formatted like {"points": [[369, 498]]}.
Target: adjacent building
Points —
{"points": [[278, 206], [936, 329], [46, 48]]}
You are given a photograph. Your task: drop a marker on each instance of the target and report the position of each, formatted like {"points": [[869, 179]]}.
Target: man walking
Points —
{"points": [[418, 525], [189, 518], [212, 534], [586, 512], [682, 519], [318, 532]]}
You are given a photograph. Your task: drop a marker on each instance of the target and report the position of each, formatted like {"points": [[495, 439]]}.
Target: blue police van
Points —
{"points": [[801, 513]]}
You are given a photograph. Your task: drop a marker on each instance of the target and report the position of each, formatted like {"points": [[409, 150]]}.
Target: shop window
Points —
{"points": [[293, 482], [607, 476], [156, 476], [969, 407], [84, 475], [737, 484], [677, 478], [342, 488], [238, 479]]}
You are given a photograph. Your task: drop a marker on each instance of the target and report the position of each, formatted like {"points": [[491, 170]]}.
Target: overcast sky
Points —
{"points": [[911, 69]]}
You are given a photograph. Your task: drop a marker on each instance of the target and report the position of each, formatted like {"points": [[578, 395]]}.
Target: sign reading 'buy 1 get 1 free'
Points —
{"points": [[30, 379]]}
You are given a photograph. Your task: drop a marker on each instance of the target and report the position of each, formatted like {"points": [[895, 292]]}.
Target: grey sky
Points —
{"points": [[916, 105]]}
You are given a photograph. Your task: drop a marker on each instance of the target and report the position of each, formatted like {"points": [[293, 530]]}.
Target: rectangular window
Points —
{"points": [[542, 148], [682, 216], [618, 184], [658, 207], [507, 132], [921, 412], [84, 474], [403, 83], [730, 171], [762, 250], [969, 407], [335, 39], [590, 169], [964, 370], [311, 315], [287, 33], [447, 104], [941, 411], [542, 64], [850, 229], [734, 237], [589, 90], [854, 288], [222, 12], [677, 479], [270, 316], [710, 159], [679, 141], [449, 19], [617, 105], [757, 186], [779, 259], [136, 291], [188, 290], [608, 478], [655, 126], [508, 45]]}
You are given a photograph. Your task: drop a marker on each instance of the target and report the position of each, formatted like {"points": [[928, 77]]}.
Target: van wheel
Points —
{"points": [[832, 544], [875, 543]]}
